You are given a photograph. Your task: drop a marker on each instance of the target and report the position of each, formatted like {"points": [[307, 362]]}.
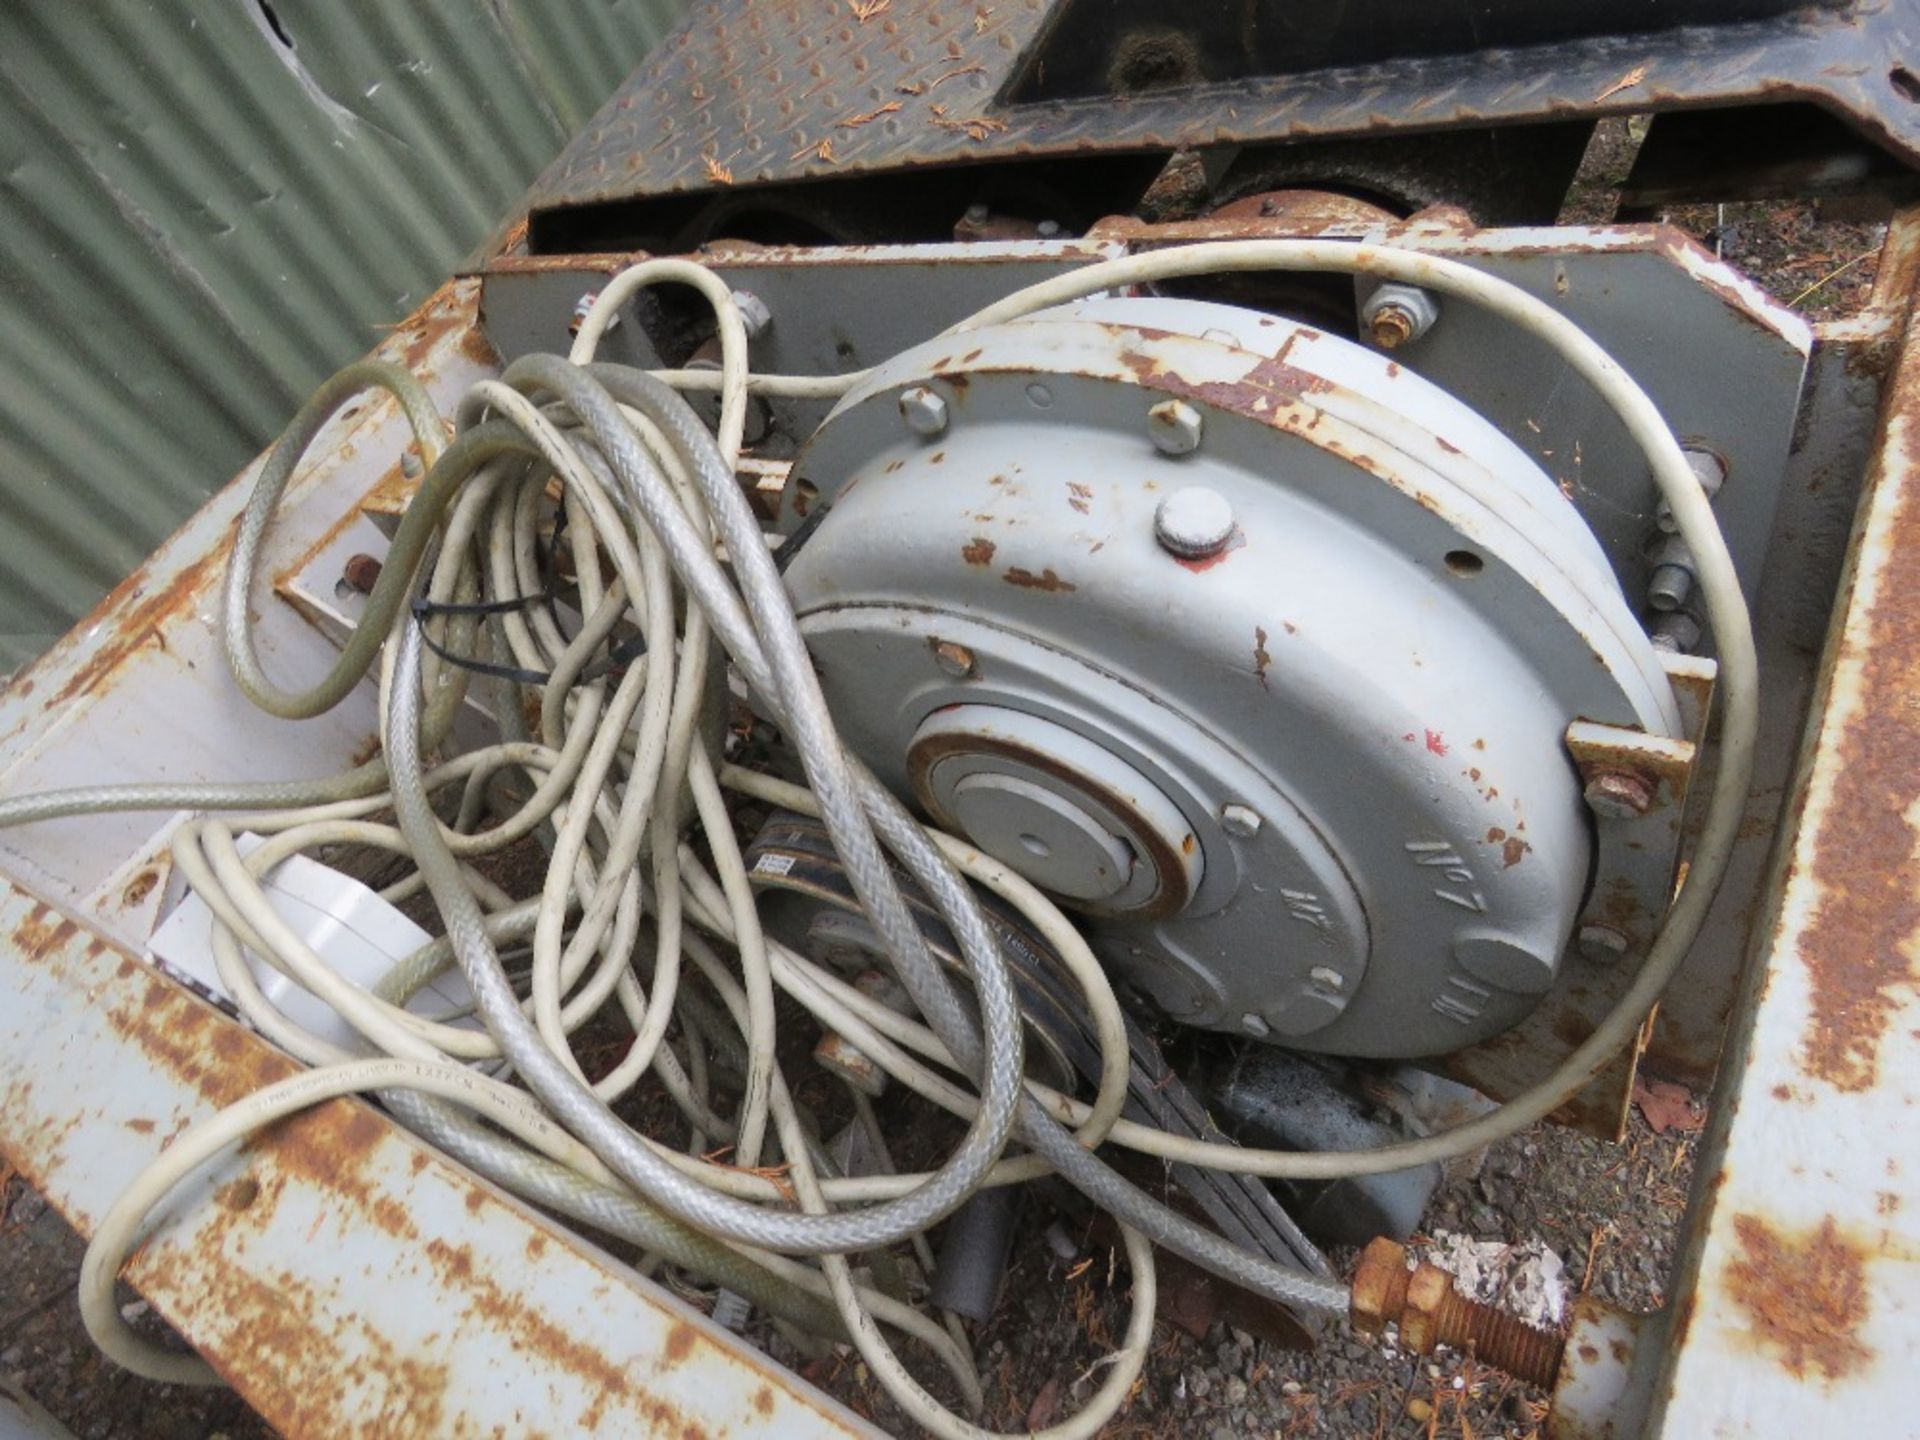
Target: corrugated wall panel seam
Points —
{"points": [[199, 219]]}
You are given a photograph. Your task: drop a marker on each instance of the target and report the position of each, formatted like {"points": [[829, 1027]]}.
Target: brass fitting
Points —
{"points": [[1429, 1311]]}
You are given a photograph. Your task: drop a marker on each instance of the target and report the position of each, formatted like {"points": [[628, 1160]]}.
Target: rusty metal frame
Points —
{"points": [[1794, 1311], [343, 1276]]}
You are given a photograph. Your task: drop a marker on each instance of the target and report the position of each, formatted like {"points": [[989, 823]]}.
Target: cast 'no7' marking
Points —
{"points": [[1440, 855]]}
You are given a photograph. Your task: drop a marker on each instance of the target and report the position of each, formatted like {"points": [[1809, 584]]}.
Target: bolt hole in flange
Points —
{"points": [[1905, 82], [1035, 846], [1465, 563]]}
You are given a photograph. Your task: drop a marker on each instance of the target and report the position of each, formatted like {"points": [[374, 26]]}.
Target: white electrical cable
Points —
{"points": [[619, 771]]}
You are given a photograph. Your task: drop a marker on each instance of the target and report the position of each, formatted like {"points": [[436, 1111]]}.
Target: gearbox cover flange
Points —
{"points": [[1253, 647]]}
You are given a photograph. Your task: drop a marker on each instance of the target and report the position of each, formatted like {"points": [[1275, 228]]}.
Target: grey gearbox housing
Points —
{"points": [[1254, 647]]}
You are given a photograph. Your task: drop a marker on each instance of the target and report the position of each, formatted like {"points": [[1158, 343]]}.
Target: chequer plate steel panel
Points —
{"points": [[766, 93]]}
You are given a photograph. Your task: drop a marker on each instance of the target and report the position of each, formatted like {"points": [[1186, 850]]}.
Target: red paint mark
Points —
{"points": [[1235, 541], [1436, 742]]}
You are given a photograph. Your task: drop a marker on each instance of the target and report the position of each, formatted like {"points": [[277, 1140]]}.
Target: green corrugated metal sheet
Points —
{"points": [[206, 207]]}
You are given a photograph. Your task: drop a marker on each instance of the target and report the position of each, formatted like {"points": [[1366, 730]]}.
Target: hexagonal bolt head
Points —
{"points": [[1676, 632], [754, 313], [1397, 315], [1240, 820], [1619, 794], [1379, 1287], [1709, 469], [1255, 1026], [1601, 944], [924, 409], [1175, 427], [956, 660]]}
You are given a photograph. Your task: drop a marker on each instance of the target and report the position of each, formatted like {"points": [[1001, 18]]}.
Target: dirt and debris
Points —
{"points": [[1575, 1213], [42, 1343], [1813, 263]]}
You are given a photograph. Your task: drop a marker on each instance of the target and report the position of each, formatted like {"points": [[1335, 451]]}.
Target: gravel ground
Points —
{"points": [[1609, 1212]]}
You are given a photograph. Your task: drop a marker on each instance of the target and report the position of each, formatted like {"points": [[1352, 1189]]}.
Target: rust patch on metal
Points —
{"points": [[238, 1195], [43, 931], [475, 346], [328, 1149], [1261, 656], [679, 1342], [129, 619], [1046, 580], [531, 1332], [138, 888], [596, 265], [394, 491], [1857, 947], [1804, 1297], [978, 551], [190, 1040], [267, 1352], [1513, 850], [438, 316], [1259, 393]]}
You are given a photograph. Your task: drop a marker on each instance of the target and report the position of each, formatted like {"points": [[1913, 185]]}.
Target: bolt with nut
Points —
{"points": [[1430, 1312], [1672, 579], [1397, 315]]}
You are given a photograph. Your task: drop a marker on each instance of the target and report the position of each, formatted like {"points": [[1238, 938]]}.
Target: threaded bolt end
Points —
{"points": [[1496, 1338]]}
